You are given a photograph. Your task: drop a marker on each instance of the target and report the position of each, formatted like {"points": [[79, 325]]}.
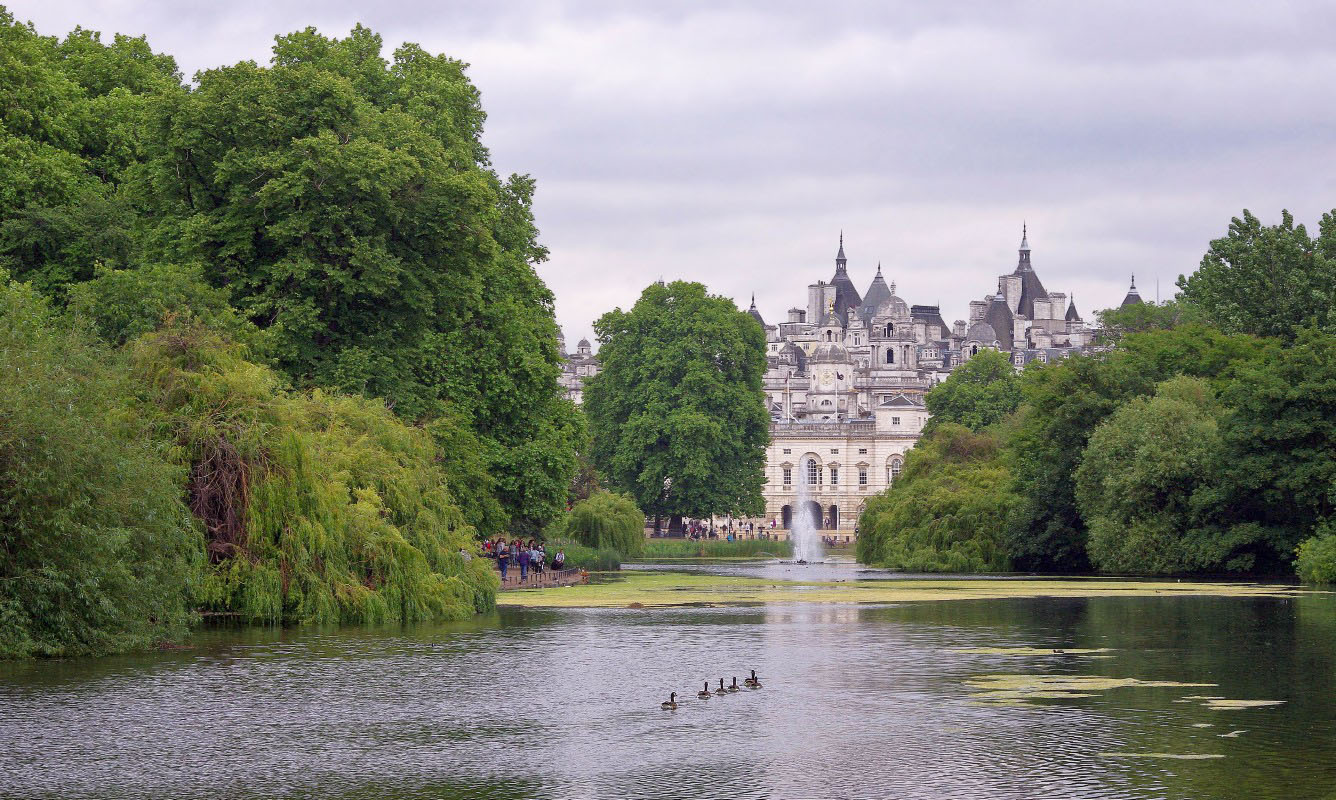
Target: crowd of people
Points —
{"points": [[730, 530], [526, 556]]}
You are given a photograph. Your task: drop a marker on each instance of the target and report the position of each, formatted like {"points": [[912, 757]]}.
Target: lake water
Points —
{"points": [[858, 701]]}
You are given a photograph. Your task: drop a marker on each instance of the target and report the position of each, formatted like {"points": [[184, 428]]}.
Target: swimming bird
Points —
{"points": [[722, 691], [671, 704], [734, 687], [704, 694], [752, 682]]}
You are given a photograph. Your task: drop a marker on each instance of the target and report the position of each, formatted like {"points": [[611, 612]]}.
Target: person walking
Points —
{"points": [[502, 557], [524, 564]]}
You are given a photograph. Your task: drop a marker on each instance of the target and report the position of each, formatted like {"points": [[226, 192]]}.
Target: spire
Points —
{"points": [[753, 303], [1134, 281], [878, 270], [892, 287], [1133, 296], [1023, 264], [840, 260], [1072, 314]]}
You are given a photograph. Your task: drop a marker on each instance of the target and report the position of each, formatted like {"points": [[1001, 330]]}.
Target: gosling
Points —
{"points": [[704, 694], [722, 691], [752, 682], [671, 703], [734, 687]]}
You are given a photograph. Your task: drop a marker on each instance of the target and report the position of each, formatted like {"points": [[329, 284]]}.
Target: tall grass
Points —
{"points": [[594, 559], [715, 548]]}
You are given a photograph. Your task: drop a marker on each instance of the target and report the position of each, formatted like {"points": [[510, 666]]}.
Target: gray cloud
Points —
{"points": [[729, 142]]}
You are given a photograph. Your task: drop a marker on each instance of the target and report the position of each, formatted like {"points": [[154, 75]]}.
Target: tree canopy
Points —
{"points": [[977, 394], [677, 414]]}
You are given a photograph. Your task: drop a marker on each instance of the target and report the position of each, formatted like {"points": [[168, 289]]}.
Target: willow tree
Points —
{"points": [[677, 414]]}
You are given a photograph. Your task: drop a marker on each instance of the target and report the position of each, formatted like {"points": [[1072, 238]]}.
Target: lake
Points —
{"points": [[959, 699]]}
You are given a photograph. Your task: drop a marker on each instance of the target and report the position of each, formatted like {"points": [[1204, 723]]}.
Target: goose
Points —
{"points": [[704, 694], [722, 691], [671, 704], [752, 682], [734, 687]]}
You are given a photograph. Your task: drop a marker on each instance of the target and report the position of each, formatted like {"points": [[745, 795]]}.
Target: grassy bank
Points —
{"points": [[676, 589], [584, 557], [715, 548]]}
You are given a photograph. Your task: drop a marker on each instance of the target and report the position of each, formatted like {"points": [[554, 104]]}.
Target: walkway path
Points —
{"points": [[545, 579]]}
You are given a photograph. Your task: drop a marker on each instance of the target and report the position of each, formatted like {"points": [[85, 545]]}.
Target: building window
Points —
{"points": [[788, 476], [834, 451], [895, 420], [862, 476], [974, 350], [862, 451], [834, 476], [890, 356], [890, 329], [813, 474], [893, 470], [787, 451]]}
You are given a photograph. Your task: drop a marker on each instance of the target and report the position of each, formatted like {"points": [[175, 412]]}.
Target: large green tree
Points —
{"points": [[1066, 401], [1152, 490], [347, 203], [678, 415], [1268, 280], [978, 393]]}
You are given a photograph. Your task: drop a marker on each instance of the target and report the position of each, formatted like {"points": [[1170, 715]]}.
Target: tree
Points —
{"points": [[1282, 438], [678, 415], [977, 394], [1116, 323], [1149, 488], [1267, 280], [1066, 401], [947, 511], [608, 520], [97, 551], [347, 203]]}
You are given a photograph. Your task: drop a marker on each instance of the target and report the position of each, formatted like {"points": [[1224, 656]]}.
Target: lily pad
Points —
{"points": [[1180, 756], [1032, 651], [1226, 705]]}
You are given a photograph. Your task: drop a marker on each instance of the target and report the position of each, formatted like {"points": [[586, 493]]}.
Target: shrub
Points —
{"points": [[1317, 556]]}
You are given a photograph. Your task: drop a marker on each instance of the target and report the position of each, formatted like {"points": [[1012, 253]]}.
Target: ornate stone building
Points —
{"points": [[847, 373], [847, 376]]}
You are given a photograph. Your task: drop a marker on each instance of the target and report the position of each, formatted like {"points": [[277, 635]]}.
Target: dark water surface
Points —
{"points": [[858, 702]]}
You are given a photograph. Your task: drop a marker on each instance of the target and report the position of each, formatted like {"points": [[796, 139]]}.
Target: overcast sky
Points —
{"points": [[730, 142]]}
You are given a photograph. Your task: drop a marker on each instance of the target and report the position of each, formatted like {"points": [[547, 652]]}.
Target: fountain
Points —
{"points": [[803, 527]]}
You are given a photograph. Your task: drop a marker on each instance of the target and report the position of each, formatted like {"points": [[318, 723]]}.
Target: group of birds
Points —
{"points": [[705, 694]]}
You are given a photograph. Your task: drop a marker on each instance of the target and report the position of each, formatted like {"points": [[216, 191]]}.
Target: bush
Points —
{"points": [[607, 520], [578, 556], [715, 548], [96, 549], [1317, 556]]}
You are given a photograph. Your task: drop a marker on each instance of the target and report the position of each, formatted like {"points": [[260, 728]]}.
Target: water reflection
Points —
{"points": [[858, 702]]}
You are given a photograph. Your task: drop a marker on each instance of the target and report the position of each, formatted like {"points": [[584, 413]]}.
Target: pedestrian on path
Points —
{"points": [[502, 558], [524, 564]]}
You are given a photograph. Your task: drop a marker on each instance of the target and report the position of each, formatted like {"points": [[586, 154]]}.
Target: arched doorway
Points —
{"points": [[814, 513], [786, 517], [834, 517]]}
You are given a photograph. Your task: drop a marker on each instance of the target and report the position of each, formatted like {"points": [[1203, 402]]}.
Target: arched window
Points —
{"points": [[893, 469], [813, 474], [890, 356], [829, 334], [974, 350], [890, 329]]}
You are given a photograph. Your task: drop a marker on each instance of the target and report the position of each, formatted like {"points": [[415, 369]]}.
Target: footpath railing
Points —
{"points": [[545, 579]]}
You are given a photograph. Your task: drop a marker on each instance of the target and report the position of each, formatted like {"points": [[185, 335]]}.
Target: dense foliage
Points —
{"points": [[607, 520], [326, 363], [978, 393], [344, 202], [947, 510], [677, 414], [1203, 440], [97, 552]]}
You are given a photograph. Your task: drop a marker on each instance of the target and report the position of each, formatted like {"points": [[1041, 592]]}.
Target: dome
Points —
{"points": [[584, 343], [829, 353], [981, 332], [892, 307]]}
